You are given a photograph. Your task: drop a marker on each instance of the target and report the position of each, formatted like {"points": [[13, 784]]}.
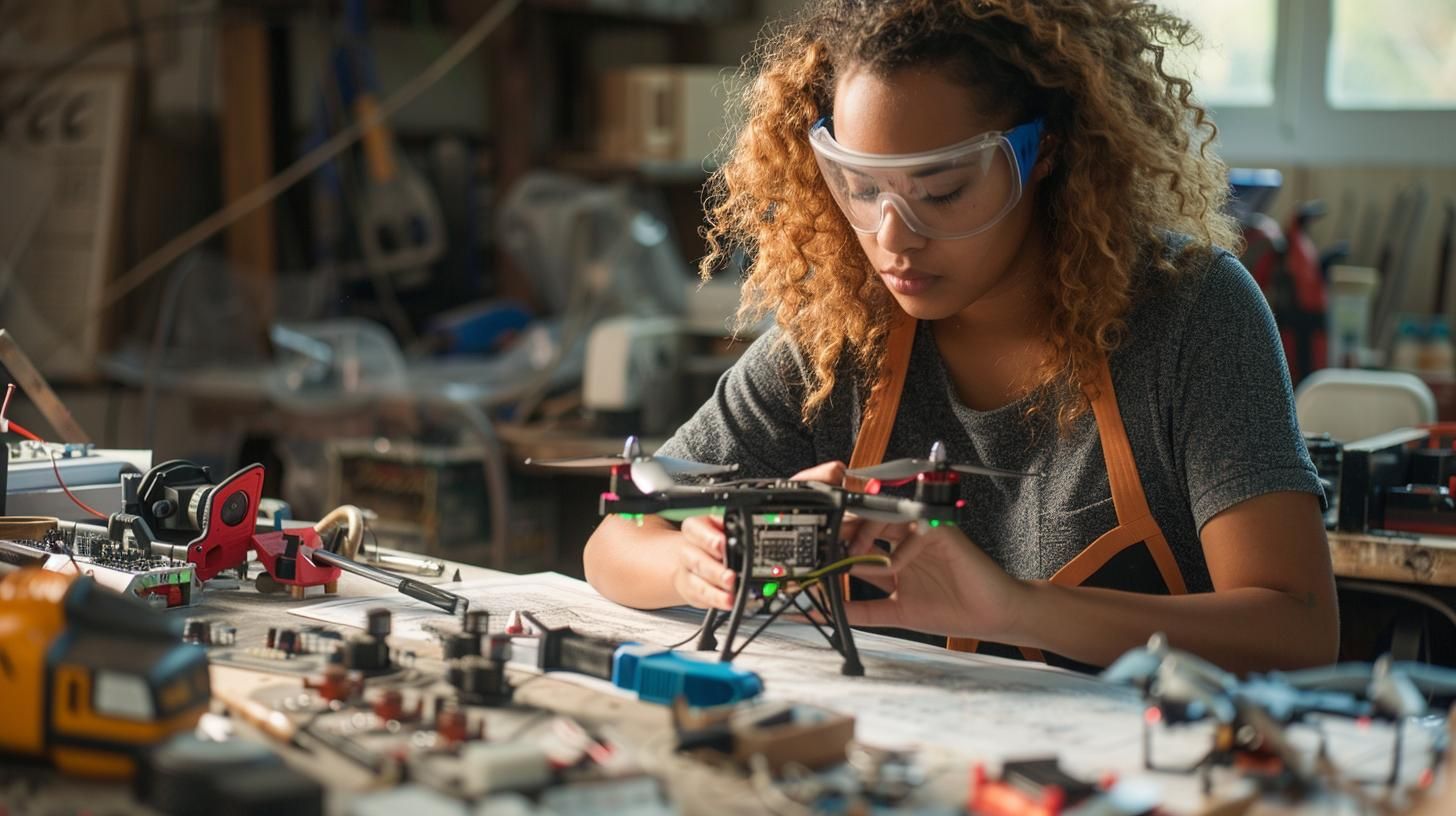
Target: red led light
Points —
{"points": [[611, 497], [960, 503], [776, 571], [1152, 715]]}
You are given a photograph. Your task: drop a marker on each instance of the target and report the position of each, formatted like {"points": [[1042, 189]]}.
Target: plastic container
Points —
{"points": [[1438, 356], [1409, 347]]}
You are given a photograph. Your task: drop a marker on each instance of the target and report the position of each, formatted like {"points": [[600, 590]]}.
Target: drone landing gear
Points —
{"points": [[839, 637]]}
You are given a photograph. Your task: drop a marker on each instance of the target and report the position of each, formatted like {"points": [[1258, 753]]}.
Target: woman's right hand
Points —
{"points": [[700, 576]]}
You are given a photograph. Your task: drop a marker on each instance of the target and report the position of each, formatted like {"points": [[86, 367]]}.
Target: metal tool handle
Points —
{"points": [[323, 556], [434, 596], [419, 590]]}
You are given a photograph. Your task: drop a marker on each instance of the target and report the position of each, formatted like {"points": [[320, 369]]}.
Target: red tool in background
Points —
{"points": [[1287, 266], [177, 510]]}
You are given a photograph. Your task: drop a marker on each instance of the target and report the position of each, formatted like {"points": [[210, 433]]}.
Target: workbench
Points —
{"points": [[953, 708]]}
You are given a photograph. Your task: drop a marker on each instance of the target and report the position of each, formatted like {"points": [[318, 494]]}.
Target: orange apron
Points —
{"points": [[1116, 551]]}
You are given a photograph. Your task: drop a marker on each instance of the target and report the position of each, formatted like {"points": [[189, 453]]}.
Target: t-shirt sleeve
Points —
{"points": [[753, 417], [1233, 416]]}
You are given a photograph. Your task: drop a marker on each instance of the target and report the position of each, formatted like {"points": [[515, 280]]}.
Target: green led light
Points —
{"points": [[772, 518], [770, 589], [935, 522]]}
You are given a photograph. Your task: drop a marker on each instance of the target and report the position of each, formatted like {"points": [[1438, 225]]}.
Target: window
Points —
{"points": [[1235, 66], [1392, 54]]}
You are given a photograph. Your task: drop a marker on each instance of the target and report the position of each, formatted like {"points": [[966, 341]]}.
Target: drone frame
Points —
{"points": [[742, 499], [1258, 729]]}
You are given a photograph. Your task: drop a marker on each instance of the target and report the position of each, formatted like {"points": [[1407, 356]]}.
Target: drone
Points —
{"points": [[1252, 717], [782, 534]]}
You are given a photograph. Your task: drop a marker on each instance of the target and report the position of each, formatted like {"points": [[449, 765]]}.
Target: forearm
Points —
{"points": [[1241, 630], [633, 564]]}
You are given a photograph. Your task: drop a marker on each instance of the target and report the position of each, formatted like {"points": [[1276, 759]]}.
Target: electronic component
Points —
{"points": [[659, 676], [563, 649], [1032, 787], [467, 641], [188, 775], [479, 680], [492, 767], [157, 580], [368, 653], [1400, 481], [789, 544], [655, 674], [91, 475], [783, 733]]}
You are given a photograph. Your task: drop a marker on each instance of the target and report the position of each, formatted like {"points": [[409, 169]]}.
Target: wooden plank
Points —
{"points": [[1429, 560], [245, 133]]}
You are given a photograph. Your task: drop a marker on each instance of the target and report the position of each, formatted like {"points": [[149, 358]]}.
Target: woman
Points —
{"points": [[996, 224]]}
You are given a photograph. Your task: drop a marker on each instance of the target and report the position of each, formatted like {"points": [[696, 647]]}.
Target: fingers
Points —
{"points": [[706, 532], [702, 580], [827, 472]]}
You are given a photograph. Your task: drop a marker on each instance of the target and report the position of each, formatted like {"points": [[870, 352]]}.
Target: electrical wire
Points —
{"points": [[25, 432], [21, 430], [851, 561], [72, 496]]}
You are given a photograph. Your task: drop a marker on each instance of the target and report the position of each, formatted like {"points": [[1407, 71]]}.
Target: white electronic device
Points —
{"points": [[630, 380]]}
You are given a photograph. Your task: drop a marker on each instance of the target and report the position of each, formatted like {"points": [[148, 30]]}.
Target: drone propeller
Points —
{"points": [[1139, 666], [1396, 689], [905, 469], [1436, 681], [1287, 703], [1175, 677], [651, 474], [1183, 678], [1393, 692], [1349, 677]]}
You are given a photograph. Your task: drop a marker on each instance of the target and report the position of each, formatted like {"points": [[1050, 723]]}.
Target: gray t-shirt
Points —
{"points": [[1201, 383]]}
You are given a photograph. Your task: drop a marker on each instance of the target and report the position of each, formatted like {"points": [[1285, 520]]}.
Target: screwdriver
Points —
{"points": [[419, 590]]}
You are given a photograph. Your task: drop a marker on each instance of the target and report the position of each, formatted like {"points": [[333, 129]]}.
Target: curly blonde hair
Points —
{"points": [[1131, 163]]}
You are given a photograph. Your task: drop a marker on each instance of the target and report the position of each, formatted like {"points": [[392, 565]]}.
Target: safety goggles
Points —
{"points": [[952, 192]]}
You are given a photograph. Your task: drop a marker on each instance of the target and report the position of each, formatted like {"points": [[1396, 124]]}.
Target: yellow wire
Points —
{"points": [[851, 561]]}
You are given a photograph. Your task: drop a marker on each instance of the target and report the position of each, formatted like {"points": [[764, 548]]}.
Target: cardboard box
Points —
{"points": [[662, 113]]}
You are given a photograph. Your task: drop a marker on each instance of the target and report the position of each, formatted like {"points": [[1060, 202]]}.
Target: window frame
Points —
{"points": [[1302, 127]]}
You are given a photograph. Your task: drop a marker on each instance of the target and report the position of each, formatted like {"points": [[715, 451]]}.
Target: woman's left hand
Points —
{"points": [[939, 582]]}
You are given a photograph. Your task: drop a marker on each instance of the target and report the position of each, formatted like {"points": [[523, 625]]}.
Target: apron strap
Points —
{"points": [[1135, 519], [881, 407], [1128, 497], [884, 399]]}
